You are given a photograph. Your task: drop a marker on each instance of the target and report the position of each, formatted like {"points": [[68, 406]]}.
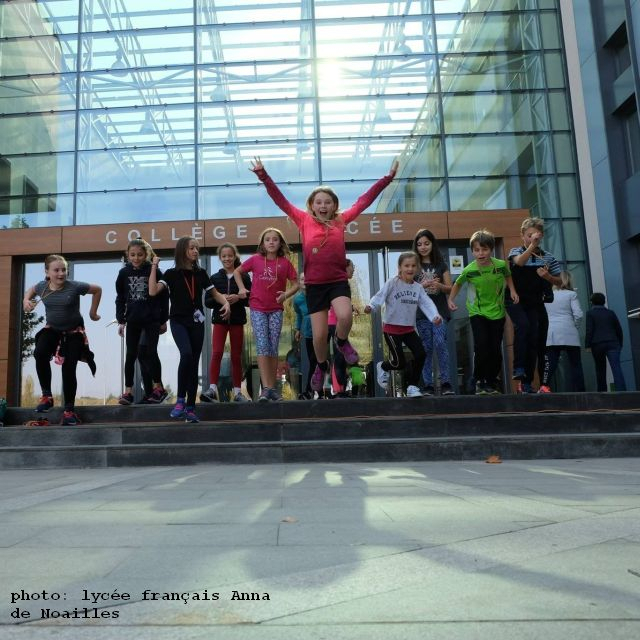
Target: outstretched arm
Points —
{"points": [[274, 192], [367, 198]]}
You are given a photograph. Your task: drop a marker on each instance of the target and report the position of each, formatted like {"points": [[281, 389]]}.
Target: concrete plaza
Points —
{"points": [[541, 549]]}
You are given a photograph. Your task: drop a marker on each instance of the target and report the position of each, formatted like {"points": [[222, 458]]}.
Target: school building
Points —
{"points": [[121, 118]]}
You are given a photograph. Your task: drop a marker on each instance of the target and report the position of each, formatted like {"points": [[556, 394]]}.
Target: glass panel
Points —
{"points": [[251, 42], [46, 210], [491, 71], [491, 113], [136, 168], [417, 195], [569, 198], [230, 11], [136, 127], [136, 206], [246, 121], [45, 17], [554, 71], [371, 117], [367, 159], [374, 37], [144, 88], [497, 155], [41, 133], [564, 152], [553, 239], [382, 75], [485, 32], [38, 55], [250, 201], [493, 193], [47, 174], [260, 81], [135, 14], [550, 31], [559, 110], [458, 6], [228, 164], [573, 240], [548, 205], [423, 159], [39, 93], [327, 9], [119, 53]]}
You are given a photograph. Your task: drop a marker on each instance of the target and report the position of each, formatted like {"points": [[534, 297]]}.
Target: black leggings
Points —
{"points": [[396, 354], [152, 364], [47, 341], [188, 339]]}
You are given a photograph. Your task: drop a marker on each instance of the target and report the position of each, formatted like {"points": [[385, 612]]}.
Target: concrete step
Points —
{"points": [[385, 429]]}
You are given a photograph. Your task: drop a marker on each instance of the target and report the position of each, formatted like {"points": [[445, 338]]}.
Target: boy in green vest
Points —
{"points": [[486, 277]]}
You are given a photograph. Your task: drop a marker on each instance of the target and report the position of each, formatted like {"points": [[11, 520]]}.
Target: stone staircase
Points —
{"points": [[352, 430]]}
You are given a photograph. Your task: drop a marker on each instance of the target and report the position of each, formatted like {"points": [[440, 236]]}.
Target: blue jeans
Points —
{"points": [[610, 351], [434, 339]]}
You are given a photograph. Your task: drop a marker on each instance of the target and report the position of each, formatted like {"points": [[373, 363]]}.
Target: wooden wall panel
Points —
{"points": [[30, 242]]}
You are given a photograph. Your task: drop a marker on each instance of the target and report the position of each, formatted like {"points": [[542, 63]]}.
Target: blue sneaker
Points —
{"points": [[190, 415], [45, 403], [178, 410]]}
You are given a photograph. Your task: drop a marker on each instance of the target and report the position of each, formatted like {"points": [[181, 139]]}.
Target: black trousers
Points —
{"points": [[150, 353], [47, 341], [188, 339], [552, 357], [396, 359], [487, 348], [530, 327]]}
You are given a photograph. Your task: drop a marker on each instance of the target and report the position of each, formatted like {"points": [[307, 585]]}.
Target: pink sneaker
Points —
{"points": [[317, 379], [350, 354]]}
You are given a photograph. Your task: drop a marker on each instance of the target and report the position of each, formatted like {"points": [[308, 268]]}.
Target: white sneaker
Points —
{"points": [[413, 392], [382, 376], [210, 395]]}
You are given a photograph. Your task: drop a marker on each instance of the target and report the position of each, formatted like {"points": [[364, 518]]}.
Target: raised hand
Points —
{"points": [[256, 165], [394, 168]]}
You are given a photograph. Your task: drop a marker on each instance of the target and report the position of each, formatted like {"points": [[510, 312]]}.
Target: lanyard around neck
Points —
{"points": [[191, 289]]}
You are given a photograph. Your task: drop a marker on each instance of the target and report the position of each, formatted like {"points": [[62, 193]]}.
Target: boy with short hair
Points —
{"points": [[486, 277]]}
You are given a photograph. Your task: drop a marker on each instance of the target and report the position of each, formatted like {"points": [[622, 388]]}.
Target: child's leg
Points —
{"points": [[442, 351], [132, 338], [182, 339], [541, 339], [320, 330], [412, 340], [311, 355], [481, 348], [196, 339], [74, 342], [236, 338], [46, 343], [495, 330], [551, 359], [577, 375], [218, 339], [600, 361], [396, 359], [344, 314], [425, 331], [152, 360], [520, 332], [274, 329]]}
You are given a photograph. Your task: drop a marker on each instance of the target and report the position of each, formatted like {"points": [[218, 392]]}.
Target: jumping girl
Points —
{"points": [[402, 297], [186, 282], [233, 324], [322, 230], [271, 270], [433, 274], [63, 335], [138, 313]]}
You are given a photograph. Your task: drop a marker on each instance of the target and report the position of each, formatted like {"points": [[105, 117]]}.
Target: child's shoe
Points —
{"points": [[264, 395], [190, 415], [544, 389], [524, 388], [429, 390], [45, 403], [382, 376], [446, 389], [349, 353], [69, 419], [178, 410], [317, 379], [210, 395], [413, 392], [274, 396], [518, 374], [158, 396], [126, 399], [481, 389], [240, 397]]}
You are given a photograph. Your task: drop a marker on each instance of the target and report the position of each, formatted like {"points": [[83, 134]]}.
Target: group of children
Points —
{"points": [[417, 304]]}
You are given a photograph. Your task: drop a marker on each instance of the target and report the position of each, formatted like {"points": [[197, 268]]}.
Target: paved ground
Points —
{"points": [[424, 550]]}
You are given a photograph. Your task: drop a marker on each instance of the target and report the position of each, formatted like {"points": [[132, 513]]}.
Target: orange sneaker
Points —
{"points": [[544, 389]]}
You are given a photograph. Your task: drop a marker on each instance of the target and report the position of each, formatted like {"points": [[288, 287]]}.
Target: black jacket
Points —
{"points": [[228, 286], [602, 326], [133, 302]]}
